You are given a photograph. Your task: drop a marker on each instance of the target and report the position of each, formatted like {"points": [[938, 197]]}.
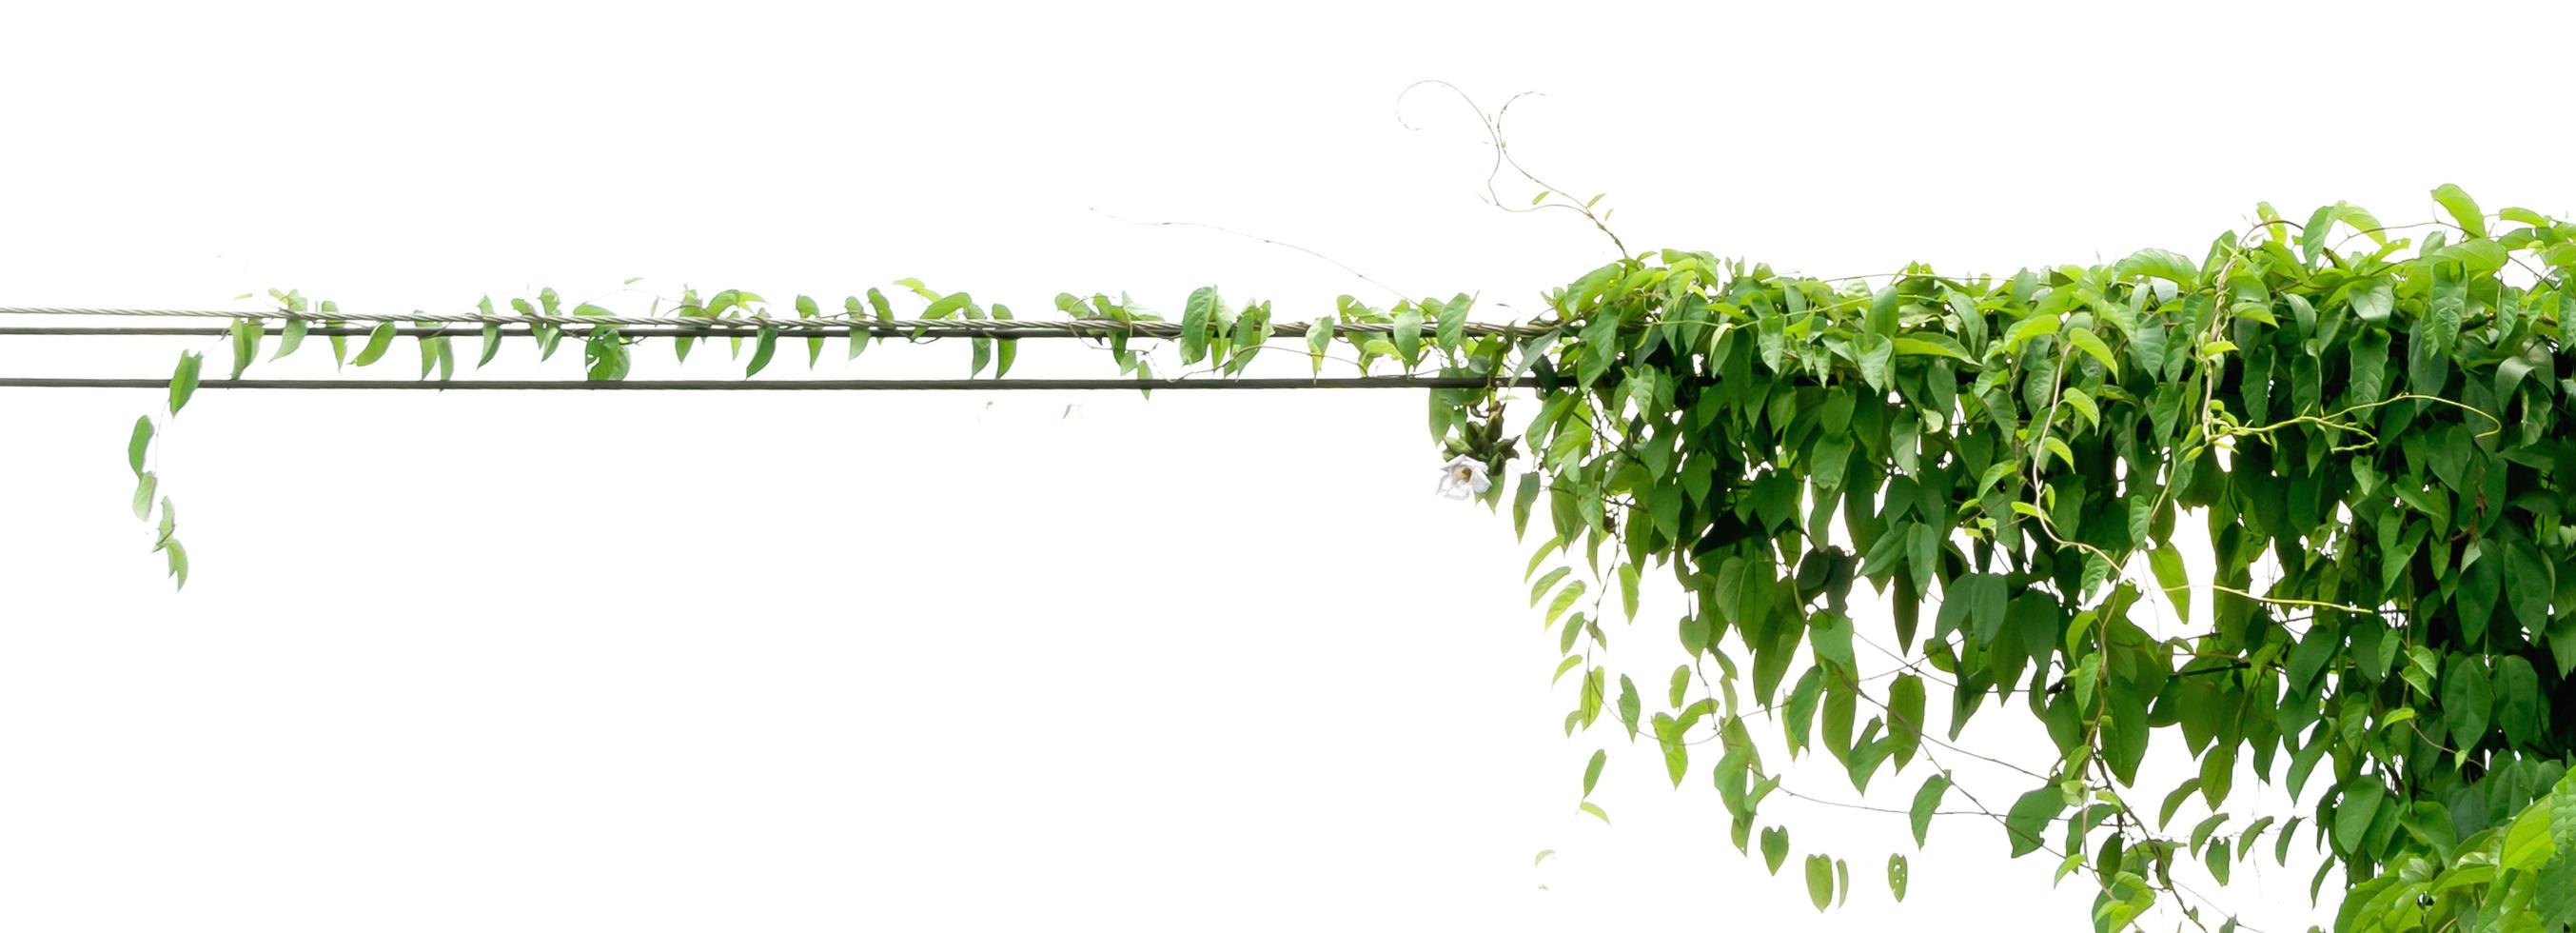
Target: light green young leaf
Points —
{"points": [[140, 444], [1820, 881], [246, 335], [1407, 334], [1565, 599], [292, 337], [2463, 209], [2083, 338], [145, 484], [379, 340], [2167, 564], [1453, 324], [183, 380]]}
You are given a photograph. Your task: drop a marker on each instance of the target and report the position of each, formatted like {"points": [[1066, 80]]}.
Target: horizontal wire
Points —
{"points": [[690, 326], [790, 385]]}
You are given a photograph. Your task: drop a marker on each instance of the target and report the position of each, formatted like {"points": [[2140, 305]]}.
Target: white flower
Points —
{"points": [[1463, 477]]}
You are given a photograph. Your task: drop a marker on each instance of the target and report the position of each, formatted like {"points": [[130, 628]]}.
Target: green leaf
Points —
{"points": [[246, 335], [492, 344], [183, 380], [2053, 445], [379, 340], [2160, 263], [1775, 847], [140, 444], [1930, 345], [763, 348], [2360, 804], [1905, 718], [2083, 338], [2083, 404], [807, 308], [2027, 824], [2374, 298], [1592, 769], [178, 555], [1196, 318], [2463, 209], [2037, 325], [1874, 354], [169, 523], [2467, 698], [1926, 801], [2530, 582], [1628, 589], [2174, 801], [292, 338], [144, 485], [1820, 881], [1565, 599], [1542, 856], [1630, 705], [2517, 687], [605, 358], [1407, 334], [1897, 873], [1539, 590], [1595, 809], [2167, 564], [1453, 323]]}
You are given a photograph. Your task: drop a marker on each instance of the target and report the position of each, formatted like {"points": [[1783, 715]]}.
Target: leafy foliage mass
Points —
{"points": [[2376, 427]]}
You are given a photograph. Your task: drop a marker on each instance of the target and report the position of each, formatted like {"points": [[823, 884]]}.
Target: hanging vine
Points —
{"points": [[2373, 418]]}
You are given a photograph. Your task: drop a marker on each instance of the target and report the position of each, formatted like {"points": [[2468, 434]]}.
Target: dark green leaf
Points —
{"points": [[1927, 801], [2467, 698], [763, 347], [2027, 824], [2520, 703], [2359, 805]]}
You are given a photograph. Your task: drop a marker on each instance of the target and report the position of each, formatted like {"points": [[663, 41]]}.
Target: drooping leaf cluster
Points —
{"points": [[2373, 425]]}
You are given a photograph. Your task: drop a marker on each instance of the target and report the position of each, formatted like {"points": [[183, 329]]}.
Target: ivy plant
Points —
{"points": [[2370, 422]]}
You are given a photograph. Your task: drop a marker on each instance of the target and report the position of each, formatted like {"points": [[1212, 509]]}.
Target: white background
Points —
{"points": [[1005, 660]]}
